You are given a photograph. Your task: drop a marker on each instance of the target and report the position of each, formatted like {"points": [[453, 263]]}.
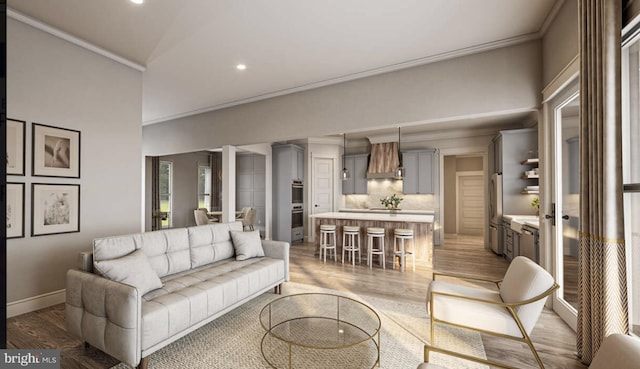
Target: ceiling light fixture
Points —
{"points": [[241, 67], [137, 1], [400, 168], [345, 171]]}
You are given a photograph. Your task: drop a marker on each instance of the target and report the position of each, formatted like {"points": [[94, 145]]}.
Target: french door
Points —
{"points": [[563, 216]]}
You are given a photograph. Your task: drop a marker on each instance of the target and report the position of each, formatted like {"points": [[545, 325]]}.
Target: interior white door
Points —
{"points": [[470, 199], [322, 191]]}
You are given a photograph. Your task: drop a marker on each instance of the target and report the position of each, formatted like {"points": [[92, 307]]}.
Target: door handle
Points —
{"points": [[552, 216], [315, 206], [565, 217]]}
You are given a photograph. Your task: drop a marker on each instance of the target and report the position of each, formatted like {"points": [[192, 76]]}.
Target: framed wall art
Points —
{"points": [[56, 152], [55, 208], [15, 147], [15, 210]]}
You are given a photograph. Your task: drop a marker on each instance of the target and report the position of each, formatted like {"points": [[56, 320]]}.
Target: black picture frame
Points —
{"points": [[16, 150], [55, 208], [15, 210], [56, 151]]}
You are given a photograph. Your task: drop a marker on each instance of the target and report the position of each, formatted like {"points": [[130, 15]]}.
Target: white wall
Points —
{"points": [[501, 80], [54, 82]]}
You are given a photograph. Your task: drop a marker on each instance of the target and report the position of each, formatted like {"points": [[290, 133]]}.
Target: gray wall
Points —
{"points": [[506, 79], [53, 82], [560, 42], [185, 186]]}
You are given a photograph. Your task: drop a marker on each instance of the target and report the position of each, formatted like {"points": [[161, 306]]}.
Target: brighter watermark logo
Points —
{"points": [[42, 359]]}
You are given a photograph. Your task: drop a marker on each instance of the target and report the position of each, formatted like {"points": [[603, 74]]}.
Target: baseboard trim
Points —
{"points": [[35, 303]]}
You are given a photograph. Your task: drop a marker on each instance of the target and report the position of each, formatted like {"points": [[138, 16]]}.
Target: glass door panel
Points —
{"points": [[564, 218], [569, 221]]}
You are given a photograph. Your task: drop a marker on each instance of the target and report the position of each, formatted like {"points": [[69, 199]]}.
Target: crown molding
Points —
{"points": [[72, 39], [368, 73], [553, 13]]}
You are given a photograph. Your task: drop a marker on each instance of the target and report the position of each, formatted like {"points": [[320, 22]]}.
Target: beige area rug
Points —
{"points": [[233, 340]]}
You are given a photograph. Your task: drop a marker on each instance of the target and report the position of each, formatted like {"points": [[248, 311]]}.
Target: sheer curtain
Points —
{"points": [[602, 289]]}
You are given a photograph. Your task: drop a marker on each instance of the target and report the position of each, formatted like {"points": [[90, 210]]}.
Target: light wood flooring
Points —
{"points": [[554, 340]]}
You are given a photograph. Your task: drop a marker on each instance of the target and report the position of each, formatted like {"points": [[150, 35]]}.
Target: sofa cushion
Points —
{"points": [[167, 250], [133, 269], [191, 297], [211, 242], [247, 244]]}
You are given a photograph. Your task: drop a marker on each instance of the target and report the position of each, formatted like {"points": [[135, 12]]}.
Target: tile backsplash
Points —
{"points": [[380, 188]]}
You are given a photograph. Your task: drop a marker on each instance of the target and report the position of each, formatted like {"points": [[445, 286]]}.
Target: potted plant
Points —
{"points": [[391, 202], [535, 203]]}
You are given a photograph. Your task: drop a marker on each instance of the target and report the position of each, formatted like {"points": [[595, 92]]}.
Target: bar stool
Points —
{"points": [[349, 236], [403, 235], [328, 241], [372, 234]]}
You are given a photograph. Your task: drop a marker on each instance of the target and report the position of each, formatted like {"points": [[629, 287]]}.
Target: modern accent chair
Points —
{"points": [[201, 217], [618, 351], [249, 218], [510, 311]]}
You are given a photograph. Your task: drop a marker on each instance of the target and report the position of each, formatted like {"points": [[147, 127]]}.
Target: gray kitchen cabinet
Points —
{"points": [[507, 239], [357, 181], [419, 174], [288, 166]]}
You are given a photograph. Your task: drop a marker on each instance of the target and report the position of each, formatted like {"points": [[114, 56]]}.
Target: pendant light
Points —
{"points": [[345, 171], [400, 168]]}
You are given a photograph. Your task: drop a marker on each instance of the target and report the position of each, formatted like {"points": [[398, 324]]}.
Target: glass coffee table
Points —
{"points": [[318, 330]]}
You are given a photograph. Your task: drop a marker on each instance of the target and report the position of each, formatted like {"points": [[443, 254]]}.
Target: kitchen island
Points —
{"points": [[421, 224]]}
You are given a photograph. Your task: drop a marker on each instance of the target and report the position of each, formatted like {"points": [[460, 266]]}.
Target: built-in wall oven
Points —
{"points": [[297, 223], [297, 192]]}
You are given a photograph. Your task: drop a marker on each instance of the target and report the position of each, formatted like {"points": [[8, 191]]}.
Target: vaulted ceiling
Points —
{"points": [[189, 49]]}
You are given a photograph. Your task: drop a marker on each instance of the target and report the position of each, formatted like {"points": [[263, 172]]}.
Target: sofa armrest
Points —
{"points": [[105, 314], [278, 250], [85, 261]]}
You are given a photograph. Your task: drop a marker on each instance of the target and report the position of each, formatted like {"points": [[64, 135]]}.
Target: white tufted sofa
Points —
{"points": [[201, 280]]}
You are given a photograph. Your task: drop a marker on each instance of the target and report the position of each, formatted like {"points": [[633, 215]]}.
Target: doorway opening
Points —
{"points": [[464, 196]]}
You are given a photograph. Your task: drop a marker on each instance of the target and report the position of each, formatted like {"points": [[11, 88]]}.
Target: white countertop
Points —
{"points": [[385, 211], [384, 217], [529, 220]]}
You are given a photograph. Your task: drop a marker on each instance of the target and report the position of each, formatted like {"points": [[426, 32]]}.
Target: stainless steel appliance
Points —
{"points": [[297, 193], [495, 213], [297, 224], [528, 244]]}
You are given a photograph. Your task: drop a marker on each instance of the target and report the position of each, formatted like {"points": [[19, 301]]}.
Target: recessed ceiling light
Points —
{"points": [[241, 67], [137, 1]]}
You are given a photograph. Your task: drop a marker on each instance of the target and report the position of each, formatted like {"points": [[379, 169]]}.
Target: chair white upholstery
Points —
{"points": [[201, 217], [618, 351], [374, 233], [248, 218], [328, 241], [400, 236], [510, 311], [351, 243]]}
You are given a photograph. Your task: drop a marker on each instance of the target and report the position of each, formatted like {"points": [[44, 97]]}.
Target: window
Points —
{"points": [[204, 187], [631, 174], [166, 187]]}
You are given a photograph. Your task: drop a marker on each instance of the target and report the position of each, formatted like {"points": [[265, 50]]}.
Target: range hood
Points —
{"points": [[383, 161]]}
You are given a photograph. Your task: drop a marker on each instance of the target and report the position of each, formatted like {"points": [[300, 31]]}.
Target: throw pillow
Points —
{"points": [[247, 244], [133, 269]]}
